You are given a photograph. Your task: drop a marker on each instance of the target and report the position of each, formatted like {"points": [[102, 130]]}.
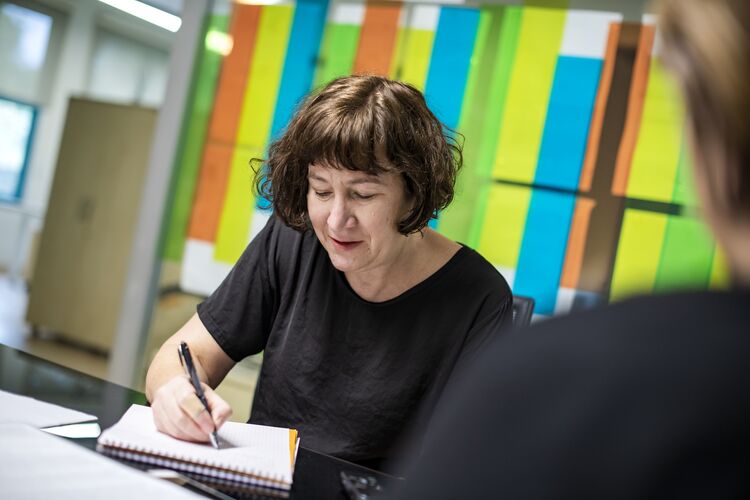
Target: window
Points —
{"points": [[24, 38], [127, 71], [17, 121]]}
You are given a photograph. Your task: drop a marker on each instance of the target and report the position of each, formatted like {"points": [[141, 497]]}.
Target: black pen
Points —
{"points": [[186, 360]]}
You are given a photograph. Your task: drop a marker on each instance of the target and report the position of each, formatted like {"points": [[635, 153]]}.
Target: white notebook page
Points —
{"points": [[245, 448]]}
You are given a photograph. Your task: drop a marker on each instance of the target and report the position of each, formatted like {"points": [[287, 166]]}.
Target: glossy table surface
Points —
{"points": [[316, 475]]}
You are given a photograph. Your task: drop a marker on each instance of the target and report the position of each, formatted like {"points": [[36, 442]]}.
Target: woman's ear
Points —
{"points": [[408, 205]]}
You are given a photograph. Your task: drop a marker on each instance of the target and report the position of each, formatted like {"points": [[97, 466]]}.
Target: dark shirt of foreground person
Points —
{"points": [[646, 399]]}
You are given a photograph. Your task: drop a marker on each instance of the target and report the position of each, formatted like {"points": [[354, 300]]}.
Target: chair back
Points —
{"points": [[523, 308]]}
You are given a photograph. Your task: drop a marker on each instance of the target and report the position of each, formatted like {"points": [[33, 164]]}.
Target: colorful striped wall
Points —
{"points": [[574, 183]]}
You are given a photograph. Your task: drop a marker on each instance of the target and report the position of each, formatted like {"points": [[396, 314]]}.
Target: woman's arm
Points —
{"points": [[177, 410]]}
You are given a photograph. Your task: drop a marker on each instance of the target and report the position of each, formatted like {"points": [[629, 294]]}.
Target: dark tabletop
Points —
{"points": [[316, 475]]}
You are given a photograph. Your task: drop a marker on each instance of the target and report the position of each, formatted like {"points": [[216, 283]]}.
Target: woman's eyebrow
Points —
{"points": [[374, 179], [317, 178]]}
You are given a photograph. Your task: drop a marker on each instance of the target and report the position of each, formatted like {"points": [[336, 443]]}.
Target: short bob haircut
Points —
{"points": [[369, 124]]}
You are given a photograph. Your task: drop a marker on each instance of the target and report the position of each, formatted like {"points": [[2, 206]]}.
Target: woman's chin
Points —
{"points": [[343, 264]]}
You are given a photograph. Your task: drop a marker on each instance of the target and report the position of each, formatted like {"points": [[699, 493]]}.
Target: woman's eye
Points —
{"points": [[361, 196], [322, 194]]}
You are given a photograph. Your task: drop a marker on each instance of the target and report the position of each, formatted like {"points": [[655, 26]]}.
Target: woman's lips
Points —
{"points": [[344, 245]]}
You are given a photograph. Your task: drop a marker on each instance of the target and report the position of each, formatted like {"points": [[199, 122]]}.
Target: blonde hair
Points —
{"points": [[706, 45]]}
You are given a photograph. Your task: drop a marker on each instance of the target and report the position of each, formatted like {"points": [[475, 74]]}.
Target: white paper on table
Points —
{"points": [[30, 411], [34, 464]]}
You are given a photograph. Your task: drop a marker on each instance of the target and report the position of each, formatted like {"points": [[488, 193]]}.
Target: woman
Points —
{"points": [[363, 312], [647, 398]]}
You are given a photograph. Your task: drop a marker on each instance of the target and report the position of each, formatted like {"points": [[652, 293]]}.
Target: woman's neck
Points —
{"points": [[421, 256]]}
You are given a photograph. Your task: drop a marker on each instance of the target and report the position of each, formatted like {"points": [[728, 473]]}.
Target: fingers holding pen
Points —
{"points": [[201, 390], [186, 429], [220, 409], [196, 413], [179, 413]]}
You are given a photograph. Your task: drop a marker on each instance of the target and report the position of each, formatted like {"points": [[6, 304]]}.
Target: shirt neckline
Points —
{"points": [[425, 283]]}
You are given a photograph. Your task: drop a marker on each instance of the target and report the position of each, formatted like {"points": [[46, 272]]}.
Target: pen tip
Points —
{"points": [[214, 440]]}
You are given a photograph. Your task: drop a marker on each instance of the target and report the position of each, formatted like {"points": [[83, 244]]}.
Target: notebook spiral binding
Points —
{"points": [[244, 484]]}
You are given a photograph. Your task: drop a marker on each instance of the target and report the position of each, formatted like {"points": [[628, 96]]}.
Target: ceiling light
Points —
{"points": [[147, 12]]}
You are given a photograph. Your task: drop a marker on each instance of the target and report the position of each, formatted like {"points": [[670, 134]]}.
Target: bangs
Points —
{"points": [[365, 124], [344, 140]]}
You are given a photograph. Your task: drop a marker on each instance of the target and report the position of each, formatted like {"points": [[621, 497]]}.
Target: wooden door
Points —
{"points": [[90, 221]]}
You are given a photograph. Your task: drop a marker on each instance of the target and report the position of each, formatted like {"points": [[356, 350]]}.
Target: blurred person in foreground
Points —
{"points": [[648, 398]]}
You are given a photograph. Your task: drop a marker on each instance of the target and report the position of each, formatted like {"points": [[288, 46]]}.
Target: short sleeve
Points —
{"points": [[240, 312], [495, 319]]}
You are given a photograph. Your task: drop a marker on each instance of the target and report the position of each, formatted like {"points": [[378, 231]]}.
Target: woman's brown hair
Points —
{"points": [[706, 45], [369, 124]]}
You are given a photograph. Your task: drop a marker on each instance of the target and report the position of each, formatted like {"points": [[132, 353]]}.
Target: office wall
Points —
{"points": [[574, 184]]}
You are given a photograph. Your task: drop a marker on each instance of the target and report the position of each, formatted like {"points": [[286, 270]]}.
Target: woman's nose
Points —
{"points": [[340, 216]]}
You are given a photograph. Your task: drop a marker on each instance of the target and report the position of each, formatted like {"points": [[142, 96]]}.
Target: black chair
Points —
{"points": [[523, 308]]}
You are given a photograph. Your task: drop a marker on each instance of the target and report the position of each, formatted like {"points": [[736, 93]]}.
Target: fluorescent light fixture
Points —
{"points": [[147, 12], [263, 2]]}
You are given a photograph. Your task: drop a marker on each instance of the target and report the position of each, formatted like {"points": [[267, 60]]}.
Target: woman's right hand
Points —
{"points": [[179, 413]]}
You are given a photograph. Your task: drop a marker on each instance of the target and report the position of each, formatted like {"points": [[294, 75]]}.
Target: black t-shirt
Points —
{"points": [[644, 399], [349, 374]]}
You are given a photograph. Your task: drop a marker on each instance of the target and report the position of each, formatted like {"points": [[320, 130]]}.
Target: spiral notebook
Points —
{"points": [[252, 459]]}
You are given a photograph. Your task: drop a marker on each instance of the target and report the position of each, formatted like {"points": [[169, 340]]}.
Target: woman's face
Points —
{"points": [[354, 216]]}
